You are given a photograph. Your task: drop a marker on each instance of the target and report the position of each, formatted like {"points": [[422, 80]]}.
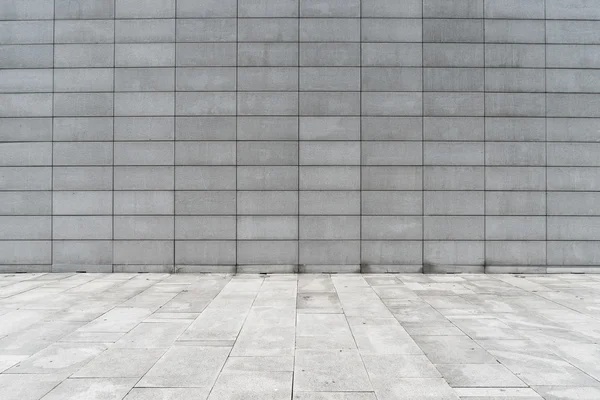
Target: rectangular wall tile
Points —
{"points": [[185, 135]]}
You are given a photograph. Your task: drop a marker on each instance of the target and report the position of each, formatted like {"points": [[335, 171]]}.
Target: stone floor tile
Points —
{"points": [[330, 371], [497, 394], [414, 278], [216, 324], [568, 392], [318, 302], [117, 320], [525, 284], [415, 389], [267, 332], [384, 282], [485, 328], [149, 299], [349, 282], [343, 337], [492, 303], [188, 302], [276, 299], [243, 283], [59, 358], [17, 320], [543, 369], [479, 375], [565, 317], [120, 363], [449, 302], [36, 337], [416, 329], [447, 278], [171, 287], [91, 389], [96, 286], [26, 386], [453, 350], [417, 312], [84, 311], [265, 341], [382, 367], [512, 345], [186, 366], [92, 337], [153, 334], [494, 286], [362, 302], [206, 343], [334, 396], [526, 321], [224, 317], [262, 364], [255, 385], [39, 298], [584, 356], [19, 287], [170, 316], [323, 331], [168, 394], [8, 361], [382, 336], [311, 283], [394, 292]]}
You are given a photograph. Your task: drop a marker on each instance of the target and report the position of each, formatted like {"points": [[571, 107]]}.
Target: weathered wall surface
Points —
{"points": [[311, 135]]}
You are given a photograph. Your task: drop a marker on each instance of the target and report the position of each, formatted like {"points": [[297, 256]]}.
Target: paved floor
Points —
{"points": [[306, 337]]}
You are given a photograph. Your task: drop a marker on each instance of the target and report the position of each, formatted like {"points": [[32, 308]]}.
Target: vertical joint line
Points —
{"points": [[360, 159], [484, 147], [52, 142], [175, 142], [237, 63], [546, 127], [114, 70], [422, 136]]}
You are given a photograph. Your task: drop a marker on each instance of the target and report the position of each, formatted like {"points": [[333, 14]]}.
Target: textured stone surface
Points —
{"points": [[299, 135], [305, 337]]}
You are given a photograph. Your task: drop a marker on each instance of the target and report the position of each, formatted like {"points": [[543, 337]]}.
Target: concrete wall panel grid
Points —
{"points": [[299, 135]]}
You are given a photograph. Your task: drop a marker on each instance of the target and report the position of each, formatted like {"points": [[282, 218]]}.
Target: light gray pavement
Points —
{"points": [[301, 337]]}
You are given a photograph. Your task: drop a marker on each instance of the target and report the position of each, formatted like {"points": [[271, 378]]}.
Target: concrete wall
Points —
{"points": [[311, 135]]}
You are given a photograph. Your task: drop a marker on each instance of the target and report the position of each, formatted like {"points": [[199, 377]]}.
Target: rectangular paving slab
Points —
{"points": [[300, 337], [186, 366]]}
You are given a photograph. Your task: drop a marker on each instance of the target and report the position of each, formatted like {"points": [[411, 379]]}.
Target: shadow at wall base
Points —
{"points": [[304, 269]]}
